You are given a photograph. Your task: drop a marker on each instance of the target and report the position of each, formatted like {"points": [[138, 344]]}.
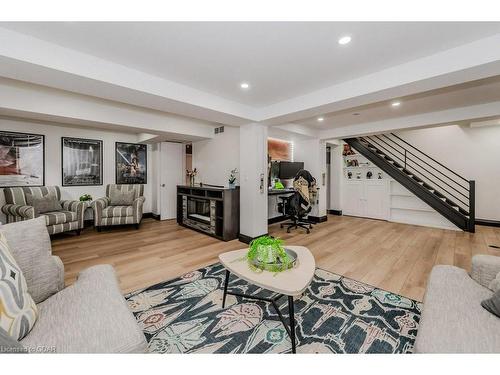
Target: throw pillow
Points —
{"points": [[30, 245], [18, 311], [122, 198], [8, 344], [495, 283], [493, 304], [47, 203]]}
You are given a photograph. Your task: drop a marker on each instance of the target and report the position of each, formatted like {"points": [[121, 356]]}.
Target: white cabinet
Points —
{"points": [[366, 198]]}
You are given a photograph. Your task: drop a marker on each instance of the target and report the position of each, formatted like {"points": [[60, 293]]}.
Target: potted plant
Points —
{"points": [[268, 254], [191, 175], [232, 178], [85, 198]]}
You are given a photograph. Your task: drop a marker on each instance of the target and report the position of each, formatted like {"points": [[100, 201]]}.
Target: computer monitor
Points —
{"points": [[289, 169]]}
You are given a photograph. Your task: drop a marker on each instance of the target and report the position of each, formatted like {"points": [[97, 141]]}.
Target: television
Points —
{"points": [[288, 169]]}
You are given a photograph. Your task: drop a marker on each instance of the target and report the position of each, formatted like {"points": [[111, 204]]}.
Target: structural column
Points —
{"points": [[253, 181]]}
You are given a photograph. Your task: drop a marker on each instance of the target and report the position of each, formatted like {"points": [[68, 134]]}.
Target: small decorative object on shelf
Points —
{"points": [[232, 178], [358, 175], [269, 254], [349, 175], [85, 198], [379, 175], [191, 175], [352, 163], [369, 174], [347, 150]]}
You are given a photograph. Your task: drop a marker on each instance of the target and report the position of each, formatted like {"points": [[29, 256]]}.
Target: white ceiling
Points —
{"points": [[469, 94], [279, 60]]}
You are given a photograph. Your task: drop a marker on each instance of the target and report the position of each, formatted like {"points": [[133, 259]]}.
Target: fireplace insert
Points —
{"points": [[198, 209]]}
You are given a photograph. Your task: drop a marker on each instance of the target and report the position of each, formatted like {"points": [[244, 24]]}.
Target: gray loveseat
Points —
{"points": [[453, 320], [90, 316], [17, 208]]}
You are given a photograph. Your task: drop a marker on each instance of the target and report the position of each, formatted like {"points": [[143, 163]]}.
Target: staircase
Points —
{"points": [[437, 185]]}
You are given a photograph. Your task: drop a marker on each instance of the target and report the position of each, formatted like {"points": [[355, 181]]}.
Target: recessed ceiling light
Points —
{"points": [[355, 114], [245, 85], [345, 40], [396, 104], [320, 119]]}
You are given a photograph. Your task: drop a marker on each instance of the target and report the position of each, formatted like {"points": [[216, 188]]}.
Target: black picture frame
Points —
{"points": [[7, 137], [75, 175], [124, 155]]}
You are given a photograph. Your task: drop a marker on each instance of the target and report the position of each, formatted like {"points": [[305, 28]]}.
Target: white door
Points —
{"points": [[352, 193], [172, 170], [375, 199]]}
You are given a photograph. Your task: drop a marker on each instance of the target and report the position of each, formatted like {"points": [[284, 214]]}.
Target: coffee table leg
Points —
{"points": [[292, 322], [226, 282]]}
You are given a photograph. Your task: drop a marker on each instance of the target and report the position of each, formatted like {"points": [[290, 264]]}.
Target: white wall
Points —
{"points": [[53, 171], [472, 152], [215, 158]]}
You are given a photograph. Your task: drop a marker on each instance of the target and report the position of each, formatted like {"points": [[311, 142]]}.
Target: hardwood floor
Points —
{"points": [[391, 256]]}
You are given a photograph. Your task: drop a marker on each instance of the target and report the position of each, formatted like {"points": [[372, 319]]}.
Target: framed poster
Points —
{"points": [[131, 163], [22, 159], [81, 162]]}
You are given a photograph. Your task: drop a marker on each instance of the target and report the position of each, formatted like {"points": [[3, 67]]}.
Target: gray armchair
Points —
{"points": [[17, 209], [106, 214], [90, 316]]}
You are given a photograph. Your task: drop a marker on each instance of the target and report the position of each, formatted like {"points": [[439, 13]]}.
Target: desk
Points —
{"points": [[273, 198]]}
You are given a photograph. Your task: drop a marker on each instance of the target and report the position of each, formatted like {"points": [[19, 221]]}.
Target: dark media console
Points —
{"points": [[211, 210]]}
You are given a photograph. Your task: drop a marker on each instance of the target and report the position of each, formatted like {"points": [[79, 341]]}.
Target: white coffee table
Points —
{"points": [[292, 282]]}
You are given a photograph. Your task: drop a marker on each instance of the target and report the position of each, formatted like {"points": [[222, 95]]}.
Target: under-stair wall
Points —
{"points": [[439, 189]]}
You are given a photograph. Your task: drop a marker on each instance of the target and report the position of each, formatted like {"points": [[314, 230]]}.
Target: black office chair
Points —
{"points": [[296, 207]]}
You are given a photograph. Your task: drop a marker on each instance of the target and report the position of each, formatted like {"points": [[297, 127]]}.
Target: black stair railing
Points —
{"points": [[434, 176]]}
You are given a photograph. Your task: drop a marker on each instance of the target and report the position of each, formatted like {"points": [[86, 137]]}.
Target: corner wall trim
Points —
{"points": [[335, 212], [317, 219], [247, 239], [489, 223], [147, 215]]}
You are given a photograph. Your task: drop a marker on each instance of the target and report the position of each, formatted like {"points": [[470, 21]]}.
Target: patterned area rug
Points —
{"points": [[335, 315]]}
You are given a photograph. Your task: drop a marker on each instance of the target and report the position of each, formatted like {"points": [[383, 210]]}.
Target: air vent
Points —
{"points": [[218, 130]]}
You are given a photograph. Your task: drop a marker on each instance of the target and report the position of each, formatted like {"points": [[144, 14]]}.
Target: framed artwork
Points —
{"points": [[22, 159], [131, 163], [81, 162]]}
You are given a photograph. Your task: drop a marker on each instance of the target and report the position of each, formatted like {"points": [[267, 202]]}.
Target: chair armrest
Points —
{"points": [[26, 212], [485, 268], [98, 205], [60, 272], [138, 209], [75, 206]]}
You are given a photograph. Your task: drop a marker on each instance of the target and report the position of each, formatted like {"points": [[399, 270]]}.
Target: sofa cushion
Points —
{"points": [[30, 245], [90, 316], [46, 203], [18, 312], [8, 344], [495, 283], [118, 211], [452, 319], [493, 304], [121, 197], [59, 217]]}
